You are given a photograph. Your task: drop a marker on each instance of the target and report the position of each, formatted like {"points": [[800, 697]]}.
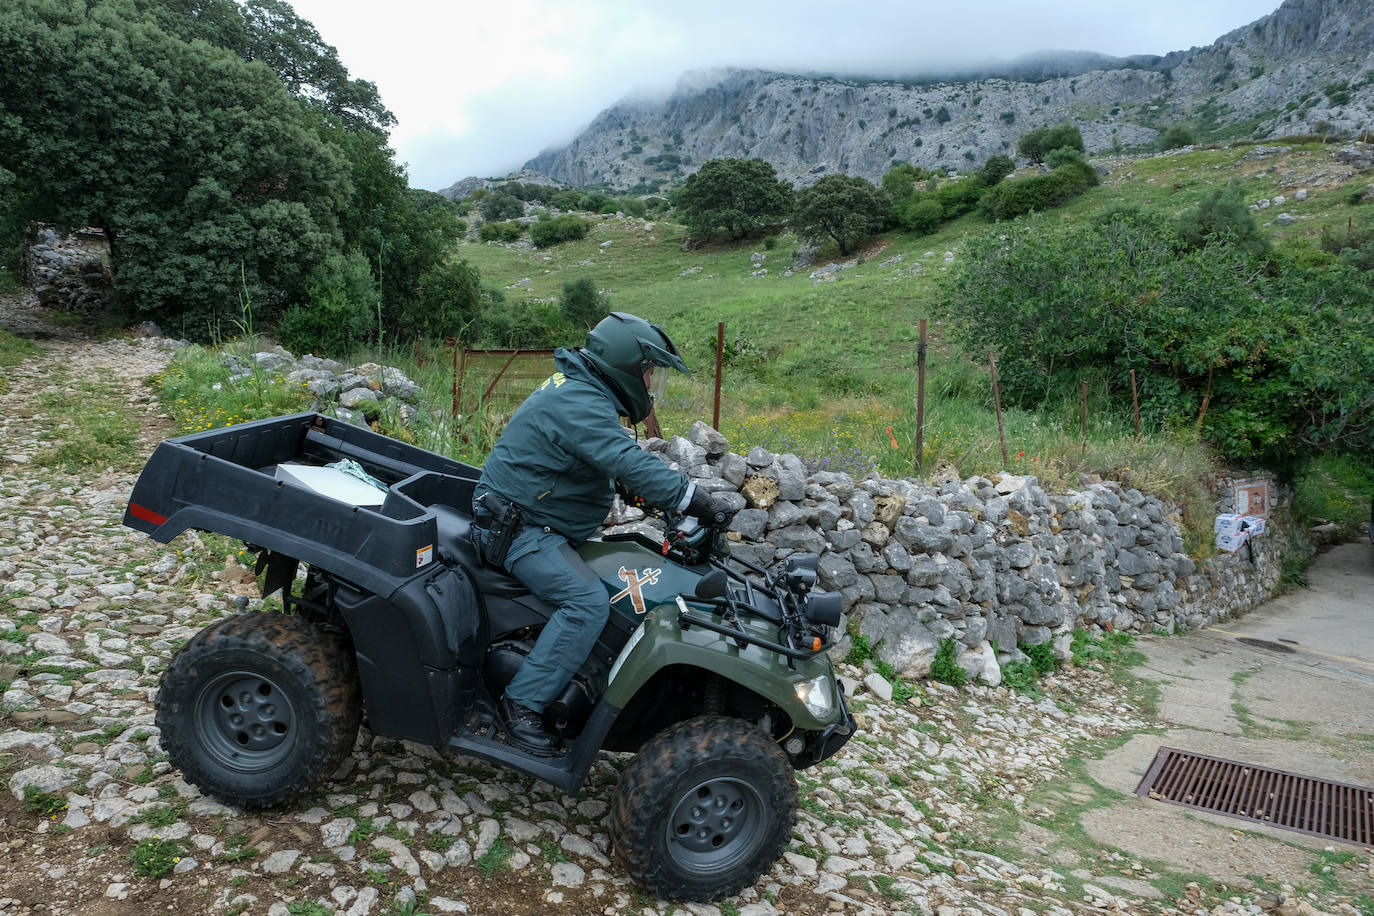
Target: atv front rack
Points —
{"points": [[742, 637], [777, 599]]}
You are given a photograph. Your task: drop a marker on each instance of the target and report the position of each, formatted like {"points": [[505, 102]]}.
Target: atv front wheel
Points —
{"points": [[258, 707], [704, 809]]}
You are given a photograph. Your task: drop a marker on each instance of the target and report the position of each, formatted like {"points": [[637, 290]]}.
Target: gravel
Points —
{"points": [[93, 612]]}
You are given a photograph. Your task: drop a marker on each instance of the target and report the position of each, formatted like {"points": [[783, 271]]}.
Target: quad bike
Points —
{"points": [[712, 669]]}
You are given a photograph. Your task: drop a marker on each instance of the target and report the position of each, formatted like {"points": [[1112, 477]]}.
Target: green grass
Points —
{"points": [[188, 391], [827, 370], [13, 351], [87, 427]]}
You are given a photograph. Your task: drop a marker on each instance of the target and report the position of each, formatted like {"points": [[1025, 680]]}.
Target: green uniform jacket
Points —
{"points": [[564, 450]]}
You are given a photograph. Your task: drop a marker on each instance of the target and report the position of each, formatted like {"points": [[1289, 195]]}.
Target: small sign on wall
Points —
{"points": [[1252, 497]]}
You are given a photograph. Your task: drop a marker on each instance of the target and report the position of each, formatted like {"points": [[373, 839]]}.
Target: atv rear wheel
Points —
{"points": [[258, 707], [704, 809]]}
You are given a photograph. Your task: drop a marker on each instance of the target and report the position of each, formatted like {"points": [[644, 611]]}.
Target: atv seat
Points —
{"points": [[455, 543]]}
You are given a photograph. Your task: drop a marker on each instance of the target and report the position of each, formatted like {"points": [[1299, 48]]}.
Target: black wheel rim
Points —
{"points": [[716, 825], [246, 721]]}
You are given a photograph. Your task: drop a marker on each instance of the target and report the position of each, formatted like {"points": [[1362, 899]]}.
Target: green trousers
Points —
{"points": [[547, 565]]}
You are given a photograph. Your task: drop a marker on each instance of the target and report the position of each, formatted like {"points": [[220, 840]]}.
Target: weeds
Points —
{"points": [[43, 804], [308, 908], [236, 849], [945, 667], [154, 858], [160, 817], [495, 859]]}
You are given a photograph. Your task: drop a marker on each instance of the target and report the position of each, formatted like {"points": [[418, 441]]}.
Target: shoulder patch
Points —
{"points": [[557, 380]]}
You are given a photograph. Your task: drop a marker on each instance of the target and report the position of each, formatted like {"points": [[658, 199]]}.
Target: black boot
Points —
{"points": [[524, 729]]}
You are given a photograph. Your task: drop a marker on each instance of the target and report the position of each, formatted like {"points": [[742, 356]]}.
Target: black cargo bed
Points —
{"points": [[225, 481]]}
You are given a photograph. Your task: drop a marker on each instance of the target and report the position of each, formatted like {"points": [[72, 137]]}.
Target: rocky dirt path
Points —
{"points": [[94, 821]]}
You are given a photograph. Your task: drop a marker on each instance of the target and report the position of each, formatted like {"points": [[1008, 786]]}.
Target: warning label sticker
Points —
{"points": [[424, 556]]}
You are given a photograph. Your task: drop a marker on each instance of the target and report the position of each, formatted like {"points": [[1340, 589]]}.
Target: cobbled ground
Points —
{"points": [[91, 612]]}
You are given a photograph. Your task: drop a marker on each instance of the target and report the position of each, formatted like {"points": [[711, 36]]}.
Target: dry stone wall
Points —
{"points": [[992, 562], [71, 271]]}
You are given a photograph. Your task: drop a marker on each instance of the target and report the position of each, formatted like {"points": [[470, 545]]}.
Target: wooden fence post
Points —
{"points": [[457, 385], [720, 362], [921, 396], [1206, 398], [997, 401], [1135, 402], [1083, 446]]}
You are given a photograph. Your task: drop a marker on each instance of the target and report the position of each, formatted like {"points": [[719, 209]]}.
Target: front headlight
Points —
{"points": [[817, 696]]}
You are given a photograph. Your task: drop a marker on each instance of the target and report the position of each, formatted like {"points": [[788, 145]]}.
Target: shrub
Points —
{"points": [[596, 202], [341, 310], [1019, 196], [526, 325], [1222, 215], [450, 301], [1062, 156], [501, 232], [552, 231], [582, 304], [501, 205], [995, 169], [920, 213], [942, 115], [959, 197], [900, 180], [1176, 136], [566, 200]]}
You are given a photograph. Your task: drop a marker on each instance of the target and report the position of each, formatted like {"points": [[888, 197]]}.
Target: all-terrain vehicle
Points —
{"points": [[713, 669]]}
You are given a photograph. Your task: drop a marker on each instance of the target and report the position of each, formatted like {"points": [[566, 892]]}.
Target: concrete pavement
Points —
{"points": [[1289, 686]]}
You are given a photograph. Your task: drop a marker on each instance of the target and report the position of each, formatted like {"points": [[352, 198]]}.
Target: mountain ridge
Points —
{"points": [[1307, 67]]}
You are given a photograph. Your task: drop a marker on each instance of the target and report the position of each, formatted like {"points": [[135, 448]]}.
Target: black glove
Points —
{"points": [[713, 511]]}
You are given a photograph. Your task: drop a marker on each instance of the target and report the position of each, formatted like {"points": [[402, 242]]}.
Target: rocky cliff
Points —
{"points": [[1307, 67]]}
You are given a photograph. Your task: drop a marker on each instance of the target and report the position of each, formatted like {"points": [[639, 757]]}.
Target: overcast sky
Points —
{"points": [[478, 89]]}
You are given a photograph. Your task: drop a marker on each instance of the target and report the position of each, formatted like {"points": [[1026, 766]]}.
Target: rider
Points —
{"points": [[559, 460]]}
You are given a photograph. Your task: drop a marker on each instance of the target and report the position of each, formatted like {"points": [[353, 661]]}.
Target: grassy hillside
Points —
{"points": [[826, 367]]}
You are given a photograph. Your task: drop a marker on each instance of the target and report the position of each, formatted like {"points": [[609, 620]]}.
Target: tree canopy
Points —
{"points": [[224, 150], [1285, 350], [845, 208], [739, 195], [1039, 143]]}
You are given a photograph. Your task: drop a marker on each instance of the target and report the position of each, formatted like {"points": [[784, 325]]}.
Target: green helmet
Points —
{"points": [[623, 348]]}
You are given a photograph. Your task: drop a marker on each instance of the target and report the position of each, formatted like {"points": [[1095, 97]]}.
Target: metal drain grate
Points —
{"points": [[1318, 807]]}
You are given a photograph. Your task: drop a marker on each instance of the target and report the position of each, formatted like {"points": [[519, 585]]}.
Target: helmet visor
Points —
{"points": [[655, 380]]}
